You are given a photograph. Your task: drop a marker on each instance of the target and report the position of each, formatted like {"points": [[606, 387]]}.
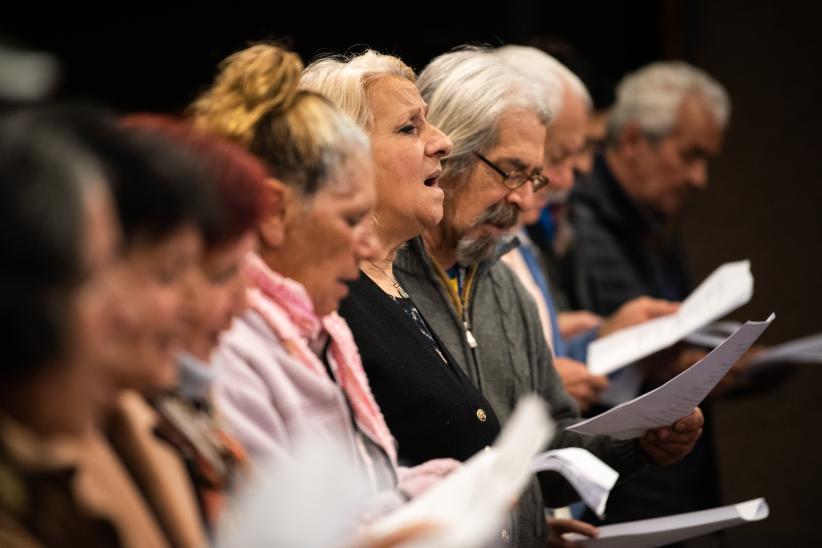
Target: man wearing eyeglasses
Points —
{"points": [[496, 119]]}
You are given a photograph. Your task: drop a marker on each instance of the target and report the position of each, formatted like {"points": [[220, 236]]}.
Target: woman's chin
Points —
{"points": [[432, 217]]}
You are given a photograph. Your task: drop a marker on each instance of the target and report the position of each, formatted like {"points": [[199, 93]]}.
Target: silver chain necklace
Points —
{"points": [[391, 279]]}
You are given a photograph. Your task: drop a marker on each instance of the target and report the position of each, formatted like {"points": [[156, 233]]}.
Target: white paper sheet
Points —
{"points": [[727, 288], [677, 397], [469, 506], [649, 533], [592, 478]]}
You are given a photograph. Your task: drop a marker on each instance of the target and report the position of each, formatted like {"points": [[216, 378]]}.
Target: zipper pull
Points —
{"points": [[472, 342]]}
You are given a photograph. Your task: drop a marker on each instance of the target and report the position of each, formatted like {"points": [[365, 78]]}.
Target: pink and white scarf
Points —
{"points": [[295, 323]]}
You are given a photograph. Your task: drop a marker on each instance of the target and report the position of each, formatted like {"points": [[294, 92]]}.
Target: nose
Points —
{"points": [[523, 197], [698, 175], [438, 144], [561, 175]]}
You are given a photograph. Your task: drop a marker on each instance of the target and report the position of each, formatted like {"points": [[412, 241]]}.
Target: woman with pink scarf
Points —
{"points": [[290, 365]]}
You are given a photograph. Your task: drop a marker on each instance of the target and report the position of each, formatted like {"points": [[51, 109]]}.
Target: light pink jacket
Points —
{"points": [[268, 394]]}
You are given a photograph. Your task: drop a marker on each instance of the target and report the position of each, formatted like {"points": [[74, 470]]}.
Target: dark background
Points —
{"points": [[763, 203]]}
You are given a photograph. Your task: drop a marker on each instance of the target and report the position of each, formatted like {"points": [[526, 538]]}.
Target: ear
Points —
{"points": [[631, 140], [278, 197]]}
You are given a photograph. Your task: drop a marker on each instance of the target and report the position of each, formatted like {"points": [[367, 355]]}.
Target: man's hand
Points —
{"points": [[558, 527], [579, 382], [571, 324], [635, 312], [670, 444]]}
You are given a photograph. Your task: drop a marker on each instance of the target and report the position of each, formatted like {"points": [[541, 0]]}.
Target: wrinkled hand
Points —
{"points": [[571, 324], [670, 444], [415, 480], [558, 527], [579, 382], [635, 312]]}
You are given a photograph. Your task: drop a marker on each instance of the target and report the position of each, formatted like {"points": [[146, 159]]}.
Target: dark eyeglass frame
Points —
{"points": [[515, 179]]}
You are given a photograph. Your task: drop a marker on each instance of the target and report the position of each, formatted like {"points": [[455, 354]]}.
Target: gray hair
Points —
{"points": [[652, 95], [344, 80], [467, 92], [553, 76]]}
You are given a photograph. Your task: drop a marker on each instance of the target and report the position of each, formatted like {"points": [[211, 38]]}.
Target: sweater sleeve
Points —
{"points": [[244, 404]]}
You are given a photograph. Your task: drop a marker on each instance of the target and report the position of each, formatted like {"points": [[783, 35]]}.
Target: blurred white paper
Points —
{"points": [[280, 503], [469, 506], [592, 478], [649, 533], [803, 350], [677, 397], [726, 289], [712, 335]]}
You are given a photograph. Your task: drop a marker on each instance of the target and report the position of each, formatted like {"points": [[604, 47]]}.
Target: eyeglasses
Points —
{"points": [[515, 179]]}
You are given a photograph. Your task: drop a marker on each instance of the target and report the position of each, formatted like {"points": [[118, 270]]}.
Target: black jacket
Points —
{"points": [[432, 408], [622, 250]]}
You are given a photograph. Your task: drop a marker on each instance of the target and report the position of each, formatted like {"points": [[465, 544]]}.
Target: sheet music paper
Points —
{"points": [[649, 533], [592, 478], [469, 506], [726, 289], [677, 397]]}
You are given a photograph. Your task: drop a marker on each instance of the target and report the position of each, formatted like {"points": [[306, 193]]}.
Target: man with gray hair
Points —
{"points": [[667, 124], [534, 261], [496, 120]]}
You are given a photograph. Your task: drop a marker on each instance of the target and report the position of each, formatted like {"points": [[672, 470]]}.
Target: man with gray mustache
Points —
{"points": [[497, 119]]}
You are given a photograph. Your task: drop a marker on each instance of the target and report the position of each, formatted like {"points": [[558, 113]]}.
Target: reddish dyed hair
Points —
{"points": [[238, 175]]}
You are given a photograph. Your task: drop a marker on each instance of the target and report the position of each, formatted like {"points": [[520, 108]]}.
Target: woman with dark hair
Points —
{"points": [[215, 294], [60, 294], [166, 204]]}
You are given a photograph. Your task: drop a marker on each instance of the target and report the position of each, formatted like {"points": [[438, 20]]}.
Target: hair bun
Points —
{"points": [[251, 83]]}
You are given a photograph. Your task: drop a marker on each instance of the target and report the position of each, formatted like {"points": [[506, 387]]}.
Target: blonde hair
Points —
{"points": [[345, 80], [304, 139]]}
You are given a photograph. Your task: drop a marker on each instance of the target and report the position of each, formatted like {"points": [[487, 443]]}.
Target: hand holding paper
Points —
{"points": [[729, 287], [678, 397], [670, 444]]}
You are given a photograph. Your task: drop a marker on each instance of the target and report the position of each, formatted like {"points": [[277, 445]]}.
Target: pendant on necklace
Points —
{"points": [[402, 292]]}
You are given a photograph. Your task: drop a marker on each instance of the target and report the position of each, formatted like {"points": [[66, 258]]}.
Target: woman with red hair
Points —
{"points": [[215, 292]]}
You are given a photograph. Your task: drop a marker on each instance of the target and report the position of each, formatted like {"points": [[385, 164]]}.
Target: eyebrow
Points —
{"points": [[697, 150], [417, 111], [517, 164]]}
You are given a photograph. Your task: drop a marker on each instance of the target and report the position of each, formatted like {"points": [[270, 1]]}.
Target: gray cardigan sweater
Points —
{"points": [[511, 359]]}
